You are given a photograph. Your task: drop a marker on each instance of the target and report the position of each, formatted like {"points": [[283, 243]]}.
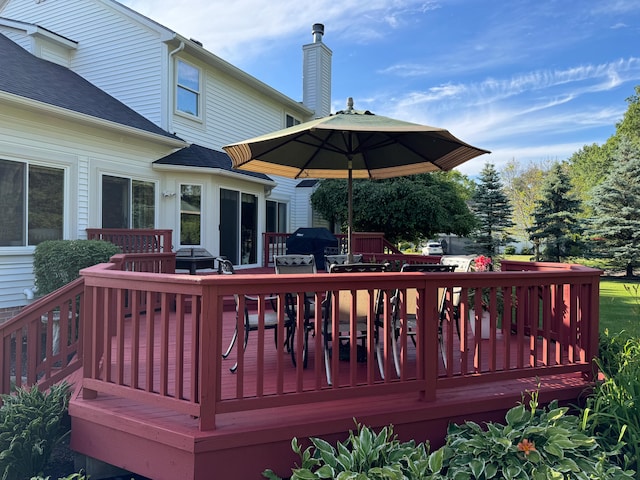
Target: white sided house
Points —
{"points": [[145, 154]]}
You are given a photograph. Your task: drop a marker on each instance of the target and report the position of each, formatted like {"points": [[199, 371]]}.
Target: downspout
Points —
{"points": [[172, 92]]}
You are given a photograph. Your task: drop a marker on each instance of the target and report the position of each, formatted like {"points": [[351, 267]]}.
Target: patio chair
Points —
{"points": [[340, 260], [362, 307], [298, 263], [405, 316], [225, 267]]}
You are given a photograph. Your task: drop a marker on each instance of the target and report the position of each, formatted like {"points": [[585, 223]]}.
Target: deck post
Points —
{"points": [[87, 329], [592, 311], [211, 356], [428, 304]]}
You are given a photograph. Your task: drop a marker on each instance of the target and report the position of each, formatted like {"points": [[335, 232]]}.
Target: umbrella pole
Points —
{"points": [[350, 212]]}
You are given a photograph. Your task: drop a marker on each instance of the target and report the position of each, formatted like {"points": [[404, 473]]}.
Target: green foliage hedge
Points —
{"points": [[58, 262]]}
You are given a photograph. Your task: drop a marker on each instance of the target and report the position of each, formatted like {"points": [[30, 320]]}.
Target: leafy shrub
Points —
{"points": [[612, 412], [32, 423], [365, 455], [526, 251], [58, 262], [510, 250]]}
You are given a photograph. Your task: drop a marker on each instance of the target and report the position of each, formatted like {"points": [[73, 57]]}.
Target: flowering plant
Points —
{"points": [[482, 263]]}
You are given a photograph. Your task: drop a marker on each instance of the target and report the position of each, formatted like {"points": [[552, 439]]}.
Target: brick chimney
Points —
{"points": [[316, 74]]}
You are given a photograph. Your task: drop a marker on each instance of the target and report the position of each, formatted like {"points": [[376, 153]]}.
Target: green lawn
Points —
{"points": [[620, 307]]}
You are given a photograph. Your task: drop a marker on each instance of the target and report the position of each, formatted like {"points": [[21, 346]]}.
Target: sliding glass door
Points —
{"points": [[238, 227]]}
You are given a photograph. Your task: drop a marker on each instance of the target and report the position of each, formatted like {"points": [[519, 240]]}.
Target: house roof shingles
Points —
{"points": [[199, 156], [26, 75]]}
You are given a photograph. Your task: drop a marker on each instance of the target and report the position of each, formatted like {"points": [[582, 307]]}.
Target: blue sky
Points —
{"points": [[532, 81]]}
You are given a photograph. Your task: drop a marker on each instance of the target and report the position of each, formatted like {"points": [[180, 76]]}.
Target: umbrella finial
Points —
{"points": [[349, 104]]}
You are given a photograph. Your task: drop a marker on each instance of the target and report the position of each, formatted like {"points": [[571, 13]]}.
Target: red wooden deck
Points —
{"points": [[146, 437], [156, 397]]}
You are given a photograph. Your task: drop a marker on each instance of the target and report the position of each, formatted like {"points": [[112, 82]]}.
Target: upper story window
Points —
{"points": [[31, 203], [127, 203], [290, 121], [188, 89]]}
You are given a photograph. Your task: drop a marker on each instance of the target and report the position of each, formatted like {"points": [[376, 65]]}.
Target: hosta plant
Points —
{"points": [[363, 456], [73, 476], [535, 443], [31, 425]]}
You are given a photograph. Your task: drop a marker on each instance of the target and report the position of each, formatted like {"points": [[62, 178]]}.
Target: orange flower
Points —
{"points": [[527, 447]]}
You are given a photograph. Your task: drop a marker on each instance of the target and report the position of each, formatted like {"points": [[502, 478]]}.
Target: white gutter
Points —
{"points": [[171, 91]]}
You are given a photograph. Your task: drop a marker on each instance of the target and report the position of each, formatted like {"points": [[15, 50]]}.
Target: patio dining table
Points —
{"points": [[194, 259]]}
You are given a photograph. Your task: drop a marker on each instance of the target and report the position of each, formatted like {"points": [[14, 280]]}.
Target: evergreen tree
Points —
{"points": [[493, 211], [555, 218], [616, 206]]}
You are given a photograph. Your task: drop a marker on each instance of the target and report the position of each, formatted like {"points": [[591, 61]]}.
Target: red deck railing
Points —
{"points": [[543, 317], [41, 345], [134, 240]]}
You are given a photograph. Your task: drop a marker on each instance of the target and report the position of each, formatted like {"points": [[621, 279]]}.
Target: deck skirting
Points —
{"points": [[164, 445]]}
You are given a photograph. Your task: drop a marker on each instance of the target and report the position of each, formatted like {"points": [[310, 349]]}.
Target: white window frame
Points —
{"points": [[197, 93], [179, 195]]}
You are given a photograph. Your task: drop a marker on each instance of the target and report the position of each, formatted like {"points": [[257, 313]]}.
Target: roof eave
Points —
{"points": [[36, 30], [40, 107], [214, 171]]}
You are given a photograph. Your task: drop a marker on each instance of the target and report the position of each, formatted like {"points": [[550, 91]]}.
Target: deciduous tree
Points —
{"points": [[406, 208], [522, 185]]}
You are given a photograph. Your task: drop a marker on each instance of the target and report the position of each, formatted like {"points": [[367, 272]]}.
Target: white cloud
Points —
{"points": [[619, 25], [539, 155], [243, 28]]}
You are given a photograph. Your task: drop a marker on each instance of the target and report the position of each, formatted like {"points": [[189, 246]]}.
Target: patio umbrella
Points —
{"points": [[352, 144]]}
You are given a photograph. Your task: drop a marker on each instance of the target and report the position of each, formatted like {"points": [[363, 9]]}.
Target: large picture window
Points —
{"points": [[31, 204], [188, 89], [127, 203], [190, 214]]}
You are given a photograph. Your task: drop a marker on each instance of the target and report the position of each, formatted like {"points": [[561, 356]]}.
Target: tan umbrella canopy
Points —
{"points": [[352, 144]]}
